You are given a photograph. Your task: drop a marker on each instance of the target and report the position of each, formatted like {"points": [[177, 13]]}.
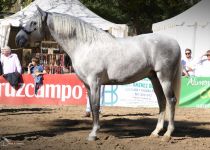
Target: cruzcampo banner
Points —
{"points": [[195, 92]]}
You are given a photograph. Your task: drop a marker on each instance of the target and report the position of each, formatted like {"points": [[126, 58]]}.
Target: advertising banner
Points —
{"points": [[138, 94], [195, 92], [56, 90], [66, 89]]}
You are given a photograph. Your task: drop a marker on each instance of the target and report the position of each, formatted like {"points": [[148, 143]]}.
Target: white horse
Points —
{"points": [[99, 59]]}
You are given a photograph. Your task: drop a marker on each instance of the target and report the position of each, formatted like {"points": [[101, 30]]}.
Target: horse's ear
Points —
{"points": [[42, 13]]}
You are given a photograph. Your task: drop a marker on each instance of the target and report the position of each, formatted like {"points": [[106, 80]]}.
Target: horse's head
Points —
{"points": [[33, 30]]}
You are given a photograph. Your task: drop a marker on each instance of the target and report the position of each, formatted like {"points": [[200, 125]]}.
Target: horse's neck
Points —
{"points": [[69, 45], [76, 38]]}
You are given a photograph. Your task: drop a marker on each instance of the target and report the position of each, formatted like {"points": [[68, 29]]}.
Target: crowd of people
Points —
{"points": [[11, 69], [193, 67]]}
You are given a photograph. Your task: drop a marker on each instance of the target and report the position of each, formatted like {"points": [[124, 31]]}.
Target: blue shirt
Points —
{"points": [[38, 68]]}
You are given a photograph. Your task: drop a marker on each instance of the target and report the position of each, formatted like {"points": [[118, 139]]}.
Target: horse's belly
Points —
{"points": [[127, 74]]}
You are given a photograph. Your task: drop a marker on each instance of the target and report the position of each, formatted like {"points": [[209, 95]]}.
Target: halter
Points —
{"points": [[28, 32]]}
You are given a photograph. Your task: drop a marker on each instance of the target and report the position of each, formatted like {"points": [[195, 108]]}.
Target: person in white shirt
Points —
{"points": [[188, 64], [11, 66], [203, 66]]}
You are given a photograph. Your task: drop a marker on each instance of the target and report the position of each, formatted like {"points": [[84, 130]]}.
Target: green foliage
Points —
{"points": [[5, 5], [138, 14], [26, 2], [8, 7]]}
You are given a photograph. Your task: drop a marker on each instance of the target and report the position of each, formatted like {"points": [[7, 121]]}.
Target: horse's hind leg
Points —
{"points": [[171, 100], [95, 106], [162, 105]]}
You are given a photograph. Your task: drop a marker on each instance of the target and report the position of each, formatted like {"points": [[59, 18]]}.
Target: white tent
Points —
{"points": [[70, 7], [190, 28]]}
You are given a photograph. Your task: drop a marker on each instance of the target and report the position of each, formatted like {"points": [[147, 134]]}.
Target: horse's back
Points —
{"points": [[157, 40], [164, 51], [154, 40]]}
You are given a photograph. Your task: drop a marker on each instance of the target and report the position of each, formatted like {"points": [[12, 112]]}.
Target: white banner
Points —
{"points": [[138, 94]]}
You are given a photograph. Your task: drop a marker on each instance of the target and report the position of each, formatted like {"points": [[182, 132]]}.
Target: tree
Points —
{"points": [[8, 7], [138, 14], [5, 7]]}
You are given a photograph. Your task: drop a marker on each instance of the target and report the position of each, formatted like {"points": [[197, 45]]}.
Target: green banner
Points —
{"points": [[195, 92]]}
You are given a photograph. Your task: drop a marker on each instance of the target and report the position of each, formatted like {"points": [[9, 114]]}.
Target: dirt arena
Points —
{"points": [[53, 128]]}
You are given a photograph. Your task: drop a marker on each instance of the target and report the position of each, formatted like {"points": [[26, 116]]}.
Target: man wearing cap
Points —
{"points": [[11, 66]]}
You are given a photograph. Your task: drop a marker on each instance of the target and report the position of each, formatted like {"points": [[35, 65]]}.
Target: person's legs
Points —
{"points": [[87, 111]]}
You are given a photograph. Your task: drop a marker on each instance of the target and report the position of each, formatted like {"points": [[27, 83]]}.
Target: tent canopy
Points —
{"points": [[70, 7], [198, 14], [190, 28]]}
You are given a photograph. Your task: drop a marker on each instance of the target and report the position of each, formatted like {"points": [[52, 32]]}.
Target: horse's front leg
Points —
{"points": [[95, 106]]}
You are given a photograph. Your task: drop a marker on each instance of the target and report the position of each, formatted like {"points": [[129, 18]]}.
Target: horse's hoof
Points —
{"points": [[166, 138], [91, 138], [154, 136]]}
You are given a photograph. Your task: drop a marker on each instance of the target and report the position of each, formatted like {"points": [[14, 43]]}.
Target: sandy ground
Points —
{"points": [[53, 128]]}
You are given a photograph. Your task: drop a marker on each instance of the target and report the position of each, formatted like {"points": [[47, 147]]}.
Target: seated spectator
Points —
{"points": [[37, 71], [188, 64], [203, 66], [11, 66]]}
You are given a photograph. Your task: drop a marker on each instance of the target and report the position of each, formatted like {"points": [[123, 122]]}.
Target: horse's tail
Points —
{"points": [[177, 80]]}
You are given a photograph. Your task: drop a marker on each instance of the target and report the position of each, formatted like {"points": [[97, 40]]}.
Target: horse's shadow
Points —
{"points": [[127, 128], [118, 127]]}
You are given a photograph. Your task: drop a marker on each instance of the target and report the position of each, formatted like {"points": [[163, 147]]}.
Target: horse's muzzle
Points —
{"points": [[20, 41], [21, 38]]}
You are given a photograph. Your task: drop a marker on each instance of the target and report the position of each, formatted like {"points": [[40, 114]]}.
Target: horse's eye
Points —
{"points": [[34, 23]]}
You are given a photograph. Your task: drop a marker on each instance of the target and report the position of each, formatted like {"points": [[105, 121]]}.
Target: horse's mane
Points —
{"points": [[67, 26]]}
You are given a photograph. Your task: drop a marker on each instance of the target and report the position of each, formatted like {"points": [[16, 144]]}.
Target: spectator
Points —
{"points": [[88, 109], [188, 65], [11, 66], [203, 66], [37, 71]]}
